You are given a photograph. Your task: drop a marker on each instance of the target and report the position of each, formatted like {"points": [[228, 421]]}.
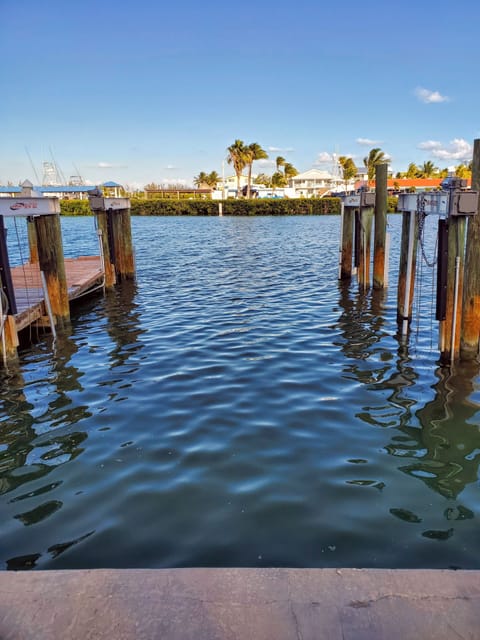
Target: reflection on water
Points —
{"points": [[237, 407]]}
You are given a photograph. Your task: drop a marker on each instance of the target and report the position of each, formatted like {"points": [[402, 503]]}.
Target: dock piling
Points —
{"points": [[470, 329], [113, 219], [379, 254], [51, 262]]}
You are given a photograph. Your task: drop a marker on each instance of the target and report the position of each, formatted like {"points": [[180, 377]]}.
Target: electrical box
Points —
{"points": [[464, 203], [368, 198]]}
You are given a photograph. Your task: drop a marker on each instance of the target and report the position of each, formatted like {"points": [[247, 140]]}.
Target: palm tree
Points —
{"points": [[202, 178], [349, 170], [289, 171], [428, 169], [413, 171], [280, 162], [212, 179], [253, 152], [376, 156], [237, 156]]}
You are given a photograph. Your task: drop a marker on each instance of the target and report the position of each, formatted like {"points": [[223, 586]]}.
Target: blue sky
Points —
{"points": [[146, 91]]}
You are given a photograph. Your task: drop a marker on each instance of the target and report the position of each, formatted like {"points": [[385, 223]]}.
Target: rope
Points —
{"points": [[22, 261]]}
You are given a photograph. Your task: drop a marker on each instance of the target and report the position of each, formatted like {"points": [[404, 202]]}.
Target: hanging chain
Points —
{"points": [[421, 227]]}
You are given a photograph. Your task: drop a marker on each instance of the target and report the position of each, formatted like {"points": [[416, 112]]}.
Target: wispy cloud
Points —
{"points": [[106, 165], [280, 149], [367, 142], [428, 97], [170, 167], [457, 149]]}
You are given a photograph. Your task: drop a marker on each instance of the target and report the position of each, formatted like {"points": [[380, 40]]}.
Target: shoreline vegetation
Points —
{"points": [[247, 207]]}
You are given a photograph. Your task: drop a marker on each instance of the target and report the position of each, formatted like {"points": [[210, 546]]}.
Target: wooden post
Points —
{"points": [[10, 336], [470, 332], [347, 244], [380, 225], [449, 336], [366, 219], [123, 248], [109, 268], [32, 240], [51, 260], [406, 272]]}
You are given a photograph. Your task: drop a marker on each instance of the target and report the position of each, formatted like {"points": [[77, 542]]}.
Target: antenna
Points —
{"points": [[57, 168], [32, 165]]}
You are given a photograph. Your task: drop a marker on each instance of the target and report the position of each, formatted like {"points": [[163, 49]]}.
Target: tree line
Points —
{"points": [[242, 156]]}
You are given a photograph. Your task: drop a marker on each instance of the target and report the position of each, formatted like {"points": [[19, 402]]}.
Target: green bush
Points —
{"points": [[262, 207], [392, 202], [75, 208]]}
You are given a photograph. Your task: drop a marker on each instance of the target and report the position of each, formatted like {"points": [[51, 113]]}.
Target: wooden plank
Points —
{"points": [[82, 273]]}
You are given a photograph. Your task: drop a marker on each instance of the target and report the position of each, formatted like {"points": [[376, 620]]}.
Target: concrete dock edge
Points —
{"points": [[238, 604]]}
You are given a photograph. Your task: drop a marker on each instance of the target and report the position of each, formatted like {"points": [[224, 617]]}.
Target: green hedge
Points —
{"points": [[75, 208], [263, 207]]}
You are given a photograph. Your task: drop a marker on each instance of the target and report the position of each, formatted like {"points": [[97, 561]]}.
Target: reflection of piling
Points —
{"points": [[470, 332], [380, 233], [51, 261]]}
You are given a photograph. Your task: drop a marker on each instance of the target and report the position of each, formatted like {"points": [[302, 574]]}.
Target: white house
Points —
{"points": [[316, 182]]}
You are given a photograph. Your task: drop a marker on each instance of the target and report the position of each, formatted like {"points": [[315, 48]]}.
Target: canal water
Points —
{"points": [[236, 406]]}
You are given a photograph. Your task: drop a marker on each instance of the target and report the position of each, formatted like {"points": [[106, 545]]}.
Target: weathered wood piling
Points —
{"points": [[458, 258], [357, 217], [113, 220], [470, 325], [380, 234]]}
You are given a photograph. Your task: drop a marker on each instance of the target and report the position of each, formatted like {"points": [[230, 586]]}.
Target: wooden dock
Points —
{"points": [[83, 274]]}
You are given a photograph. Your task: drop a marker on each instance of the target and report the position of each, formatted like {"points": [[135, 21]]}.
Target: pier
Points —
{"points": [[39, 292]]}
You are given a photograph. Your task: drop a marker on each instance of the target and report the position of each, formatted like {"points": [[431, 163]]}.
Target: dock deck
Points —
{"points": [[83, 274]]}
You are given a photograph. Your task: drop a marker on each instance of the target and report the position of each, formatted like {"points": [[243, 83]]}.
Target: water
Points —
{"points": [[236, 406]]}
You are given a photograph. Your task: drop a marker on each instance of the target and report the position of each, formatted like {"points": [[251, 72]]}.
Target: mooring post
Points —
{"points": [[366, 219], [113, 217], [51, 261], [449, 334], [122, 233], [8, 307], [470, 328], [406, 272], [381, 171], [102, 230], [346, 243], [32, 240]]}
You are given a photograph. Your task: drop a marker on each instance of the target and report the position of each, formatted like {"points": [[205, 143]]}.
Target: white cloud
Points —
{"points": [[457, 149], [429, 97], [428, 145], [106, 165], [367, 142], [324, 157], [280, 150], [265, 162], [169, 167]]}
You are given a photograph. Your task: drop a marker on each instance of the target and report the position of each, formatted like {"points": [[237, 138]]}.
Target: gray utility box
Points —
{"points": [[464, 203]]}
